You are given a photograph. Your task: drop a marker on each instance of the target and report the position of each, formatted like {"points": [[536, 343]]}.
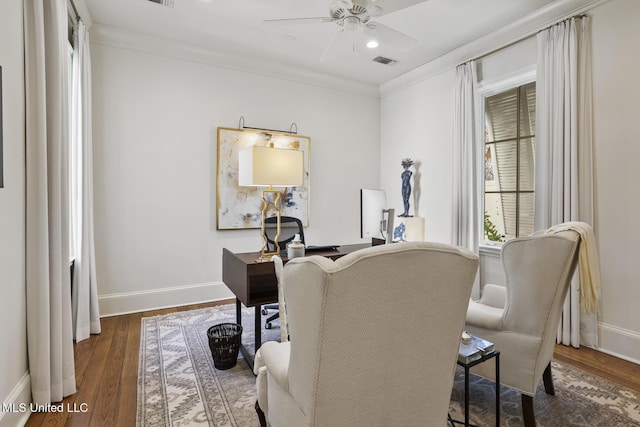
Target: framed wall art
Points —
{"points": [[240, 207]]}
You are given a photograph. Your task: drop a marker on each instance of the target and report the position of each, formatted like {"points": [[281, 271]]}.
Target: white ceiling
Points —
{"points": [[235, 28]]}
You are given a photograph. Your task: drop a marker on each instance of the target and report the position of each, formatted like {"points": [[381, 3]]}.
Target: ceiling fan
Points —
{"points": [[356, 28]]}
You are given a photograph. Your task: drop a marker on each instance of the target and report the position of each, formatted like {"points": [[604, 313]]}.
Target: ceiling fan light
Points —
{"points": [[372, 44], [350, 23]]}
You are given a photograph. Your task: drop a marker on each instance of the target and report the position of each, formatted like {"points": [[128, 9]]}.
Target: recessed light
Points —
{"points": [[372, 44]]}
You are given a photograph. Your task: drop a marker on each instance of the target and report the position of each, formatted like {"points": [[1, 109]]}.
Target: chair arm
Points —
{"points": [[275, 357], [494, 296], [257, 362], [484, 316]]}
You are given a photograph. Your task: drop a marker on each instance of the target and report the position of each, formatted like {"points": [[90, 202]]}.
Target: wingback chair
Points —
{"points": [[522, 317], [278, 266], [374, 338]]}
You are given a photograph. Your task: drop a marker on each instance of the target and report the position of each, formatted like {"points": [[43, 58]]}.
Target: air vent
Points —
{"points": [[167, 3], [383, 60]]}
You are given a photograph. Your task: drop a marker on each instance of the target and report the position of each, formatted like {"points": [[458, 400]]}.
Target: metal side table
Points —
{"points": [[493, 355]]}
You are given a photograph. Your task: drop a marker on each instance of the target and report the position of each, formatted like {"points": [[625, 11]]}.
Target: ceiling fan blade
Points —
{"points": [[388, 37], [389, 6], [343, 43], [297, 20]]}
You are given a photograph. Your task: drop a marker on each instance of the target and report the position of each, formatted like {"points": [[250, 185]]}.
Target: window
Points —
{"points": [[509, 153]]}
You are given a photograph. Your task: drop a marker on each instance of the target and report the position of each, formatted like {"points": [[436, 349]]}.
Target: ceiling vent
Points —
{"points": [[383, 60], [167, 3]]}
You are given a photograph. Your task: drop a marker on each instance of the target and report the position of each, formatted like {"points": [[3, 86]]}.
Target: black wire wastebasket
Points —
{"points": [[224, 343]]}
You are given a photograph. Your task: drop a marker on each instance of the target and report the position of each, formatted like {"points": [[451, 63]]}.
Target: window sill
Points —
{"points": [[492, 249]]}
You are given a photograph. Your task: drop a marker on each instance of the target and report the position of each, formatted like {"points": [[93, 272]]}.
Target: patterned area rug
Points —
{"points": [[179, 386]]}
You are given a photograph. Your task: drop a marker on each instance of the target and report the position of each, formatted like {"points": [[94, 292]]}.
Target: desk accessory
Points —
{"points": [[295, 248], [322, 248], [473, 348]]}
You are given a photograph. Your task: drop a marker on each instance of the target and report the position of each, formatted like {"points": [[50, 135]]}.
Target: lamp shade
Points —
{"points": [[265, 166]]}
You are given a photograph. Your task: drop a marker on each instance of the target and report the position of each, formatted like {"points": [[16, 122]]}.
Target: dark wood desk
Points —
{"points": [[254, 283]]}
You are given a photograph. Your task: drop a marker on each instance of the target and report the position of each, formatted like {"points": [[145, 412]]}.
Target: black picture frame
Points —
{"points": [[1, 132]]}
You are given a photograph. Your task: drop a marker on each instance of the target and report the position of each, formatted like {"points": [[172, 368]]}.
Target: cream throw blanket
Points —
{"points": [[588, 264]]}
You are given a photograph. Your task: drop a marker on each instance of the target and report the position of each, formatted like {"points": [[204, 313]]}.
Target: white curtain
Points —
{"points": [[467, 161], [564, 164], [49, 329], [86, 314]]}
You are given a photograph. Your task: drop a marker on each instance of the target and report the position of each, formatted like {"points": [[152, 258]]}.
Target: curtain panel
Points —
{"points": [[86, 313], [564, 150], [48, 282], [467, 161]]}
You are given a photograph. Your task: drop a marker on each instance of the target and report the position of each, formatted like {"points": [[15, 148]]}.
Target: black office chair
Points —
{"points": [[289, 227]]}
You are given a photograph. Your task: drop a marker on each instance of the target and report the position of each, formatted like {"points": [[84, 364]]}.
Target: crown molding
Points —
{"points": [[126, 39], [505, 36]]}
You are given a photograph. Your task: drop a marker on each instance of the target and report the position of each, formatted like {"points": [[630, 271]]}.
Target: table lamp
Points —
{"points": [[270, 167]]}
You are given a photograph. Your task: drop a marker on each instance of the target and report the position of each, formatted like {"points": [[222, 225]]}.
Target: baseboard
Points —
{"points": [[619, 342], [153, 299], [15, 410]]}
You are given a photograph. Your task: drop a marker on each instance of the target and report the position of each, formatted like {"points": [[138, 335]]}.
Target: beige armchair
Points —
{"points": [[522, 317], [374, 338]]}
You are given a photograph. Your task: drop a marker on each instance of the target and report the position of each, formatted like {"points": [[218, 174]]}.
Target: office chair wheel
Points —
{"points": [[268, 325], [264, 311]]}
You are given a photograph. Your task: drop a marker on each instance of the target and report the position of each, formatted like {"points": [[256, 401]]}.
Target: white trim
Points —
{"points": [[491, 249], [512, 80], [19, 399], [153, 299], [124, 39], [619, 342], [505, 36]]}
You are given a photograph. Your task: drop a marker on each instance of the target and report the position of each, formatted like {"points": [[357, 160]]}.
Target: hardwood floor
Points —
{"points": [[107, 373], [609, 367]]}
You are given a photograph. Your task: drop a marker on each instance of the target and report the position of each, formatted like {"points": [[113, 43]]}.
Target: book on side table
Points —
{"points": [[473, 348]]}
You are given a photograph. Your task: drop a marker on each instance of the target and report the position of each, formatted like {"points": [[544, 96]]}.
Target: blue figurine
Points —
{"points": [[398, 233], [406, 185]]}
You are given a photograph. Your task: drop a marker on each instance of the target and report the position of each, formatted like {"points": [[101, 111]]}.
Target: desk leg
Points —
{"points": [[257, 328], [249, 358], [498, 390], [257, 332], [466, 397]]}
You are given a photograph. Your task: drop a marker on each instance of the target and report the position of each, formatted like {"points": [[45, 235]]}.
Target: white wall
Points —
{"points": [[417, 121], [155, 133], [14, 383], [616, 91]]}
